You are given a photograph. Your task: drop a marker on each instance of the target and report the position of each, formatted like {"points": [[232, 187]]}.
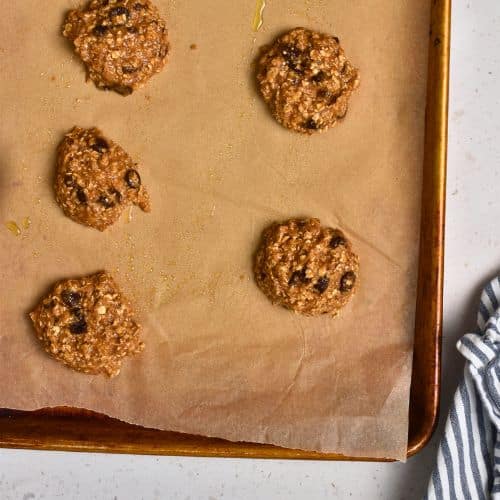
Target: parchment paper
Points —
{"points": [[220, 360]]}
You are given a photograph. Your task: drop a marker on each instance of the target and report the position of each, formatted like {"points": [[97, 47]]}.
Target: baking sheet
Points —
{"points": [[220, 360]]}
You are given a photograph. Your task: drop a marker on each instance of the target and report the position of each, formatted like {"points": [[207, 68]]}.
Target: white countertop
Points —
{"points": [[472, 257]]}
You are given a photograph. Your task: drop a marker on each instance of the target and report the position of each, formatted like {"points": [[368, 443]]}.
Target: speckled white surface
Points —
{"points": [[473, 256]]}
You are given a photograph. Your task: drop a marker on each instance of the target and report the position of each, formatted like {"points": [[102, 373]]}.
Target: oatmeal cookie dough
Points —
{"points": [[306, 267], [96, 179], [306, 80], [88, 325], [123, 43]]}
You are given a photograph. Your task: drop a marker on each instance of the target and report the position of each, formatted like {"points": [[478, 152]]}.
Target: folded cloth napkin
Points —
{"points": [[468, 461]]}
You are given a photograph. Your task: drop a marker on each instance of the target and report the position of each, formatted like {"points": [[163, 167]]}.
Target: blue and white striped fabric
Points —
{"points": [[468, 461]]}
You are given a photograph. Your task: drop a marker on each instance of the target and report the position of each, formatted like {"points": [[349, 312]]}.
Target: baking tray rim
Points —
{"points": [[70, 429]]}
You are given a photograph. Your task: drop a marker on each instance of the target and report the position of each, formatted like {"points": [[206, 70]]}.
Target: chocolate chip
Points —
{"points": [[310, 124], [263, 276], [80, 194], [325, 94], [129, 69], [119, 11], [77, 313], [71, 299], [69, 180], [78, 327], [106, 201], [116, 194], [347, 281], [337, 241], [322, 284], [100, 145], [295, 59], [132, 29], [299, 276], [122, 89], [318, 77], [133, 179], [332, 100], [100, 30]]}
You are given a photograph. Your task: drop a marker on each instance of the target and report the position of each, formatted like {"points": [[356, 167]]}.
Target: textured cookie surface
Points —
{"points": [[96, 179], [121, 42], [306, 267], [306, 80], [88, 325]]}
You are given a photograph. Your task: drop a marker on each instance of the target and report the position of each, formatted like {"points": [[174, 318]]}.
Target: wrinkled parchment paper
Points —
{"points": [[220, 360]]}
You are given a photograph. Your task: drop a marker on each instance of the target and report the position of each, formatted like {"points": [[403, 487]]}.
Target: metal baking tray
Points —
{"points": [[81, 430]]}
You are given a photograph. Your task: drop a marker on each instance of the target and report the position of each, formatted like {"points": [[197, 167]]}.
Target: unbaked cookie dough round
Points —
{"points": [[306, 80], [88, 325], [123, 43], [306, 267], [96, 179]]}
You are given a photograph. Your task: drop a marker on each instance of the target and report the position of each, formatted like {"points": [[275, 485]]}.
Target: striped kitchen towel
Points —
{"points": [[468, 461]]}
